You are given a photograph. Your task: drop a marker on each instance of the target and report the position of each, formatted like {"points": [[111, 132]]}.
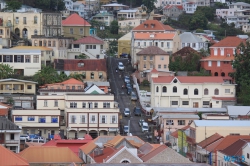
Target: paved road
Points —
{"points": [[121, 96]]}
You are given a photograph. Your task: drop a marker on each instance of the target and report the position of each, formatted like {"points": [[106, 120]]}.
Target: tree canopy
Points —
{"points": [[13, 5], [241, 64], [148, 6], [208, 12], [5, 71], [198, 20], [114, 27]]}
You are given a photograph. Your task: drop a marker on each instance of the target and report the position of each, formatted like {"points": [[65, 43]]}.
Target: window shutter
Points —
{"points": [[111, 118], [115, 119], [105, 118], [100, 119]]}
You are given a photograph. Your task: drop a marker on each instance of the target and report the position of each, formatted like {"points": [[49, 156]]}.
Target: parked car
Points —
{"points": [[137, 111], [141, 121], [126, 79], [120, 66], [125, 129], [126, 112], [124, 55], [128, 85], [24, 137], [144, 127], [129, 90], [133, 96], [37, 139]]}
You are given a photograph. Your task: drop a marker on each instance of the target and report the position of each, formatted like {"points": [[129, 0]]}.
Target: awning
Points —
{"points": [[202, 151]]}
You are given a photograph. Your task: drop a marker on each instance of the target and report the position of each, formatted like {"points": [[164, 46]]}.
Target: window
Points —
{"points": [[125, 161], [29, 86], [216, 91], [151, 57], [83, 119], [169, 122], [94, 46], [27, 58], [103, 119], [42, 119], [145, 44], [185, 102], [205, 103], [206, 91], [215, 51], [174, 89], [80, 64], [31, 118], [159, 66], [81, 31], [12, 136], [218, 63], [168, 44], [84, 75], [144, 65], [209, 63], [73, 105], [106, 105], [35, 19], [83, 105], [113, 119], [96, 105], [67, 87], [92, 120], [71, 31], [165, 66], [73, 87], [56, 103], [217, 102], [185, 91], [157, 89], [227, 90], [18, 118], [144, 58], [181, 122], [17, 20], [162, 44], [248, 155], [7, 58], [92, 75], [196, 92], [164, 89], [45, 103], [36, 58], [174, 102], [73, 119], [35, 32], [162, 58], [100, 75], [54, 119], [138, 44], [24, 20]]}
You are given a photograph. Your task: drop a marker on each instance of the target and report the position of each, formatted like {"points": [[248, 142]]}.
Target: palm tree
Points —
{"points": [[5, 71], [47, 75]]}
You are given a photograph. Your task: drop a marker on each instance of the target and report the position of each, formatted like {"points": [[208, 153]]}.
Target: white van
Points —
{"points": [[144, 127]]}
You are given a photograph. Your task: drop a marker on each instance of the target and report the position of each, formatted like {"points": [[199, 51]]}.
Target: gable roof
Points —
{"points": [[229, 140], [145, 148], [189, 79], [158, 26], [209, 140], [235, 148], [152, 50], [89, 147], [16, 80], [72, 64], [107, 152], [185, 51], [93, 89], [75, 20], [6, 124], [213, 145], [115, 141], [230, 41], [180, 7], [153, 153], [188, 37], [88, 40], [155, 36], [72, 81], [8, 157], [49, 154]]}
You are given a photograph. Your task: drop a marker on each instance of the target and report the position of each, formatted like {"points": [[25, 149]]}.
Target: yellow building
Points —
{"points": [[124, 44], [75, 26]]}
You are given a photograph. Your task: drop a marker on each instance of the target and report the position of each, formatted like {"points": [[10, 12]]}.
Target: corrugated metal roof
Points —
{"points": [[238, 110], [171, 109], [222, 123], [32, 48], [188, 37], [6, 124], [179, 116], [20, 51]]}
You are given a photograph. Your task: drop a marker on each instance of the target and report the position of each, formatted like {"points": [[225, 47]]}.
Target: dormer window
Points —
{"points": [[145, 25], [152, 25], [152, 35], [80, 64]]}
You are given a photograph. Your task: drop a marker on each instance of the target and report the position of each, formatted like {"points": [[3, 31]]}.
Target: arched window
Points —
{"points": [[185, 91], [196, 92], [157, 89], [164, 89], [215, 74], [206, 91], [125, 161], [216, 91], [175, 89], [223, 74]]}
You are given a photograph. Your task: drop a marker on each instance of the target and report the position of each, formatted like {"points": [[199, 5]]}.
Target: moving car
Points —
{"points": [[133, 96], [24, 137], [144, 127], [126, 112], [141, 121], [120, 66], [137, 111], [125, 129]]}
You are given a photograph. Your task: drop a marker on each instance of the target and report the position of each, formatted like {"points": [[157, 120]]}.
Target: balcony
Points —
{"points": [[11, 141], [74, 50], [11, 91]]}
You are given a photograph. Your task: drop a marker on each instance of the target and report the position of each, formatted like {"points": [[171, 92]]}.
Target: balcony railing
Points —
{"points": [[11, 91], [11, 141]]}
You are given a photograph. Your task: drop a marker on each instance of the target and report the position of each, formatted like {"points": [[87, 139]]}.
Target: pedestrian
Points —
{"points": [[116, 70]]}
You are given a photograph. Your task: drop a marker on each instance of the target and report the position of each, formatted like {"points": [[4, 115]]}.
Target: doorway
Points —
{"points": [[195, 105]]}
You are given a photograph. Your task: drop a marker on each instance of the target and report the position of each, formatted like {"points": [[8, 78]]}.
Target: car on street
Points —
{"points": [[24, 137], [137, 111], [133, 96], [144, 127], [129, 90], [123, 55], [141, 121], [128, 85], [126, 112], [120, 66], [125, 129], [126, 79], [37, 139]]}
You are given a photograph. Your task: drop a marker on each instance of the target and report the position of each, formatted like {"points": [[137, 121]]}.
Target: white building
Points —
{"points": [[9, 135], [189, 39], [224, 13], [190, 92], [76, 7], [167, 2], [239, 21], [23, 62], [189, 7]]}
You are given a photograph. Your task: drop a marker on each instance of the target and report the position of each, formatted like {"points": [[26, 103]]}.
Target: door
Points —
{"points": [[195, 105]]}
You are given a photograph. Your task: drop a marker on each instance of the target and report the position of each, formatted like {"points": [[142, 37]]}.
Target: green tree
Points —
{"points": [[198, 21], [241, 64], [51, 5], [47, 75], [208, 12], [82, 56], [76, 76], [148, 6], [5, 71], [10, 101], [13, 5], [114, 27]]}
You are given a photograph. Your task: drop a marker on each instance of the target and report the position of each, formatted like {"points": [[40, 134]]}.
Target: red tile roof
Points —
{"points": [[216, 58], [8, 158], [88, 40], [209, 140], [175, 133], [157, 36], [230, 41], [189, 79], [225, 98], [212, 146], [154, 71], [3, 112], [89, 64], [153, 153], [158, 26], [72, 81], [75, 20], [180, 7], [107, 152], [229, 140], [236, 148], [152, 50]]}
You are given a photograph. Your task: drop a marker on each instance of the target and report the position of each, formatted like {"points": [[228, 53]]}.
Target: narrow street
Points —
{"points": [[122, 97]]}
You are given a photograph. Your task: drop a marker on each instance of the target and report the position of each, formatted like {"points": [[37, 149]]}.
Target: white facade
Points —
{"points": [[176, 93], [246, 153], [189, 39], [77, 6], [224, 13], [189, 7], [27, 61], [167, 2], [239, 21]]}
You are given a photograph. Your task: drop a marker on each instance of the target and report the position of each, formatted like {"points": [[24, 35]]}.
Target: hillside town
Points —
{"points": [[140, 83]]}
